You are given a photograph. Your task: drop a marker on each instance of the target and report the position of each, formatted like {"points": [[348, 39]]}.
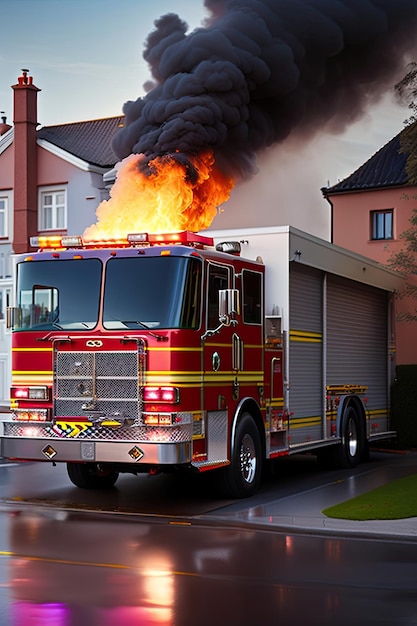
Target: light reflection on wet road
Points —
{"points": [[174, 562]]}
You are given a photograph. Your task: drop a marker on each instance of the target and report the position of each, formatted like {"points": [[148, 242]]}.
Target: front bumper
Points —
{"points": [[56, 450]]}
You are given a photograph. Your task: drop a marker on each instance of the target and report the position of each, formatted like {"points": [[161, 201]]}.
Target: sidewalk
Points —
{"points": [[302, 512]]}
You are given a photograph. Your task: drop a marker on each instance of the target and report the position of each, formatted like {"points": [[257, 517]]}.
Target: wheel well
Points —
{"points": [[249, 405]]}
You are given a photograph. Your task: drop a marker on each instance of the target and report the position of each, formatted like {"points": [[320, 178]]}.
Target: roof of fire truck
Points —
{"points": [[183, 242]]}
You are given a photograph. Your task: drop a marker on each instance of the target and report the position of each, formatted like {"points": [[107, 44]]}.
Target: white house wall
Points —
{"points": [[84, 188]]}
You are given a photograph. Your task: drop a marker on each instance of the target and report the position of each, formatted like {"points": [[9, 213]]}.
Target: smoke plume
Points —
{"points": [[260, 71]]}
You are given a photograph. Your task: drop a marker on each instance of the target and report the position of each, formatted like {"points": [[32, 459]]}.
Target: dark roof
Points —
{"points": [[89, 141], [385, 169]]}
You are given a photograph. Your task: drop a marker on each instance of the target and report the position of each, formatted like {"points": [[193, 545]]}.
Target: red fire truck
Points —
{"points": [[178, 351]]}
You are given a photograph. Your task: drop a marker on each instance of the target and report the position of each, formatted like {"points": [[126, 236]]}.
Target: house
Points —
{"points": [[51, 181], [370, 209]]}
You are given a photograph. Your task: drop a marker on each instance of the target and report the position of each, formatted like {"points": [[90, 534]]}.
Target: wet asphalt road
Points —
{"points": [[164, 551]]}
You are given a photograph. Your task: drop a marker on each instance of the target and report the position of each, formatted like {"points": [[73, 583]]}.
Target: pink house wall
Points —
{"points": [[52, 170], [352, 230], [7, 169]]}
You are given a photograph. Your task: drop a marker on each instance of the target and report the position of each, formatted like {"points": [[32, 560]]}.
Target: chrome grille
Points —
{"points": [[106, 383]]}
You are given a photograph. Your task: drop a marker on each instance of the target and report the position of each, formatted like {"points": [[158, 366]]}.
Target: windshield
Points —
{"points": [[54, 294], [153, 292]]}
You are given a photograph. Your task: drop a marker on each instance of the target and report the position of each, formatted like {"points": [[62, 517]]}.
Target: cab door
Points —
{"points": [[217, 342], [217, 368]]}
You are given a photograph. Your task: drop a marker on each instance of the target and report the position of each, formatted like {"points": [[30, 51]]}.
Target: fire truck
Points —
{"points": [[214, 351]]}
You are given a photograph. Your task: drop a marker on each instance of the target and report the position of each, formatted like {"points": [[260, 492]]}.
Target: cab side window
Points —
{"points": [[218, 278], [252, 297]]}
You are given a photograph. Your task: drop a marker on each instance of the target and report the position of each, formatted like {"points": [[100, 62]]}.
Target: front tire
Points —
{"points": [[242, 477], [91, 476]]}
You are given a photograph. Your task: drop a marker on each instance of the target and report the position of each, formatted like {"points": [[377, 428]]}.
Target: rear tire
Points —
{"points": [[91, 476], [242, 477], [351, 449]]}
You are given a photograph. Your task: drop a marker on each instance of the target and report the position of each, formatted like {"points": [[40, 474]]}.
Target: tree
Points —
{"points": [[405, 261], [406, 92]]}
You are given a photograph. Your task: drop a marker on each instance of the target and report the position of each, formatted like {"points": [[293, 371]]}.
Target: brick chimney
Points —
{"points": [[25, 162]]}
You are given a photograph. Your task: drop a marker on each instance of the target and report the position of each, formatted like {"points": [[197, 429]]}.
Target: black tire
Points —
{"points": [[352, 448], [91, 476], [350, 451], [242, 477]]}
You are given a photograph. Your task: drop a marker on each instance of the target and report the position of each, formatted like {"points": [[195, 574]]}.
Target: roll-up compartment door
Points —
{"points": [[305, 354], [357, 338]]}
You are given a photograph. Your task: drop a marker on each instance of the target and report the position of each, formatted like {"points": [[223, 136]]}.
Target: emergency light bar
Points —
{"points": [[60, 242]]}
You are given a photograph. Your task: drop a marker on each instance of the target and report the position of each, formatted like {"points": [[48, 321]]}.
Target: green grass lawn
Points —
{"points": [[395, 500]]}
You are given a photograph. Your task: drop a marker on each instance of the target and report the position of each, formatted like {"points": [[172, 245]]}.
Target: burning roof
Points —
{"points": [[256, 73]]}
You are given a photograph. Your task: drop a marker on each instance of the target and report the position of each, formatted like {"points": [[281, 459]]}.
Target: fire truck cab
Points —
{"points": [[176, 351]]}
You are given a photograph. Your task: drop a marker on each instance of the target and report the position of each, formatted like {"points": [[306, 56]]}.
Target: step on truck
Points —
{"points": [[217, 351]]}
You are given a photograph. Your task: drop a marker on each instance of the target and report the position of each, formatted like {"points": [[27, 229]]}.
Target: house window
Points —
{"points": [[3, 216], [382, 224], [4, 302], [52, 209]]}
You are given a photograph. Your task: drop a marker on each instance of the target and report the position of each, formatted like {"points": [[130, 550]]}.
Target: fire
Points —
{"points": [[164, 198]]}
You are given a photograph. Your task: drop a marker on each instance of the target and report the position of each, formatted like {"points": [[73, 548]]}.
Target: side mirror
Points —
{"points": [[228, 305], [228, 308]]}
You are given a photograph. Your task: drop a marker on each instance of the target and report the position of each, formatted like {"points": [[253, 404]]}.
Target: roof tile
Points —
{"points": [[386, 168], [89, 141]]}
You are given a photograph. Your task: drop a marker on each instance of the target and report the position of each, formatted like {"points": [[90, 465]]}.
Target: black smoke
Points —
{"points": [[262, 70]]}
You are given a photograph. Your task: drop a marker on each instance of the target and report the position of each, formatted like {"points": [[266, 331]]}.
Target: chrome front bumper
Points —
{"points": [[57, 450]]}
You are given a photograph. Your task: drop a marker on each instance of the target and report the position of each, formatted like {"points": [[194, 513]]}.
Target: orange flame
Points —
{"points": [[163, 201]]}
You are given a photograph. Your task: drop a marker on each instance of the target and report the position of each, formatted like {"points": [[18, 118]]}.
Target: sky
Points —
{"points": [[86, 57]]}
